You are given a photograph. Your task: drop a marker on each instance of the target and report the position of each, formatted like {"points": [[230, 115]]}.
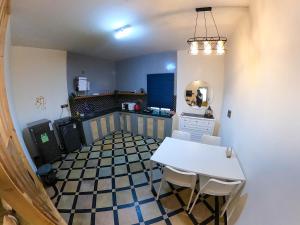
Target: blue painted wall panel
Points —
{"points": [[126, 75], [131, 74], [101, 73]]}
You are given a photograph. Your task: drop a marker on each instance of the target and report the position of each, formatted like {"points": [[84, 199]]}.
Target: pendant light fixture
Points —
{"points": [[207, 44]]}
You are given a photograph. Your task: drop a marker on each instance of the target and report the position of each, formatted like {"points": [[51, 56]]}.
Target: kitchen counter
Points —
{"points": [[118, 109], [148, 114], [97, 125]]}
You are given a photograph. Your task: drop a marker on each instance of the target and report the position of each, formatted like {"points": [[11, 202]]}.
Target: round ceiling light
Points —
{"points": [[123, 32]]}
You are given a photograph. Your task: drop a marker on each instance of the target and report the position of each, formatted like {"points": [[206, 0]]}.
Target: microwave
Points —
{"points": [[128, 106]]}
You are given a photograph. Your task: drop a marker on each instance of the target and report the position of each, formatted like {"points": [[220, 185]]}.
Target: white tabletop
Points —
{"points": [[199, 158]]}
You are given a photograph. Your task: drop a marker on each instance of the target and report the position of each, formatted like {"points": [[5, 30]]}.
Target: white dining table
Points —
{"points": [[202, 159]]}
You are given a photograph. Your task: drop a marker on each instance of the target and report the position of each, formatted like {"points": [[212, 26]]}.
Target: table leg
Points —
{"points": [[151, 174], [217, 211]]}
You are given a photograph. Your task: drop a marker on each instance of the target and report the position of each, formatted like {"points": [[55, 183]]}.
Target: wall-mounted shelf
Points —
{"points": [[92, 96]]}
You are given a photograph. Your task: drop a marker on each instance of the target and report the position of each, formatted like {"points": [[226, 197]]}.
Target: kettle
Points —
{"points": [[137, 107]]}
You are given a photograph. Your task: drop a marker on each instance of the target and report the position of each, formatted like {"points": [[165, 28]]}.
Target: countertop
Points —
{"points": [[149, 114], [118, 109], [197, 115]]}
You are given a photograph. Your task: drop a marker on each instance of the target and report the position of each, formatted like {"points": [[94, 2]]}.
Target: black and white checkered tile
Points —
{"points": [[108, 184]]}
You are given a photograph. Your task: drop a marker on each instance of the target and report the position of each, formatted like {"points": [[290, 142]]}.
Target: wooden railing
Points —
{"points": [[19, 185]]}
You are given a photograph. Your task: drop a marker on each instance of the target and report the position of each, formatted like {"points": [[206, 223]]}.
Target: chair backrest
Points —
{"points": [[178, 134], [210, 140], [180, 178], [218, 187]]}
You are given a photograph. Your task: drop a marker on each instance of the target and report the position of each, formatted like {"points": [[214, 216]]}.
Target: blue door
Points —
{"points": [[160, 90]]}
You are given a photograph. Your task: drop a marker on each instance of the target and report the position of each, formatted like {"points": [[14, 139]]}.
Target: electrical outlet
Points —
{"points": [[229, 113], [64, 106]]}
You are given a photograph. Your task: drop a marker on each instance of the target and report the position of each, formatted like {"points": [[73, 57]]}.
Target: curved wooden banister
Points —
{"points": [[19, 185]]}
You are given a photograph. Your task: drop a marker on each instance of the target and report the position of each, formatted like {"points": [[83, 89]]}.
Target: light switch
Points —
{"points": [[229, 113]]}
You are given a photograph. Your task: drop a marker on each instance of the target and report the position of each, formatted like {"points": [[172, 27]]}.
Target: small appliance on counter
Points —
{"points": [[81, 84], [159, 111], [124, 106], [128, 106], [155, 110], [165, 111], [137, 107]]}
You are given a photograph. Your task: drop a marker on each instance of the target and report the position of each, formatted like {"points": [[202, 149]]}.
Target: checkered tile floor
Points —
{"points": [[108, 184]]}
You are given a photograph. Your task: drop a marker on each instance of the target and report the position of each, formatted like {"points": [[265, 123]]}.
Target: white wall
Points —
{"points": [[9, 92], [262, 86], [38, 72], [205, 68]]}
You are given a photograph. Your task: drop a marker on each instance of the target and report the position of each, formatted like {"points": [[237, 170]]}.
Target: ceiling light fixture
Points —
{"points": [[207, 44], [123, 32]]}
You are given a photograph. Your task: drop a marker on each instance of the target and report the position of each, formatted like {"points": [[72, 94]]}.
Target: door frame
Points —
{"points": [[19, 185]]}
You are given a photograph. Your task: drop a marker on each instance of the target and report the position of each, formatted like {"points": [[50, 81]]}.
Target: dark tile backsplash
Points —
{"points": [[100, 103]]}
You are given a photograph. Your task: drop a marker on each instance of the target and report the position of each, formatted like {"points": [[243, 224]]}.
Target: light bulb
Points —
{"points": [[194, 50], [220, 48], [207, 48]]}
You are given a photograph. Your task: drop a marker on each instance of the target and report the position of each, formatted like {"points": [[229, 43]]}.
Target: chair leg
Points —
{"points": [[224, 208], [161, 168], [161, 182], [231, 197], [55, 191], [188, 206], [194, 202]]}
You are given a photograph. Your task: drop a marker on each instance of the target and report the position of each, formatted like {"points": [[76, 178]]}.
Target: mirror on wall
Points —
{"points": [[198, 94]]}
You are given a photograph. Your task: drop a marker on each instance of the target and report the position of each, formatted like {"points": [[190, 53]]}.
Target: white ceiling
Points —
{"points": [[86, 26]]}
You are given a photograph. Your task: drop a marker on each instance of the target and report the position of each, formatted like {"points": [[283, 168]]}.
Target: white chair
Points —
{"points": [[180, 178], [216, 188], [210, 140], [178, 134]]}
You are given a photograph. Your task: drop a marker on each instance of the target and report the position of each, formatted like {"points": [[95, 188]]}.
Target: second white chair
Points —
{"points": [[180, 178], [178, 134], [216, 187], [210, 140]]}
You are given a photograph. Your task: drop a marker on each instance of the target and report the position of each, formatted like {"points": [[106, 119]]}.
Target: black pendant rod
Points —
{"points": [[195, 32]]}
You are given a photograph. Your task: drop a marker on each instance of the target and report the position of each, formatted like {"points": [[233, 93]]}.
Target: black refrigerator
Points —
{"points": [[43, 137], [68, 131]]}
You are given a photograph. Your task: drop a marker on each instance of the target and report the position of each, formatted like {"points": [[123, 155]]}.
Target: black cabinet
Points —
{"points": [[43, 137]]}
